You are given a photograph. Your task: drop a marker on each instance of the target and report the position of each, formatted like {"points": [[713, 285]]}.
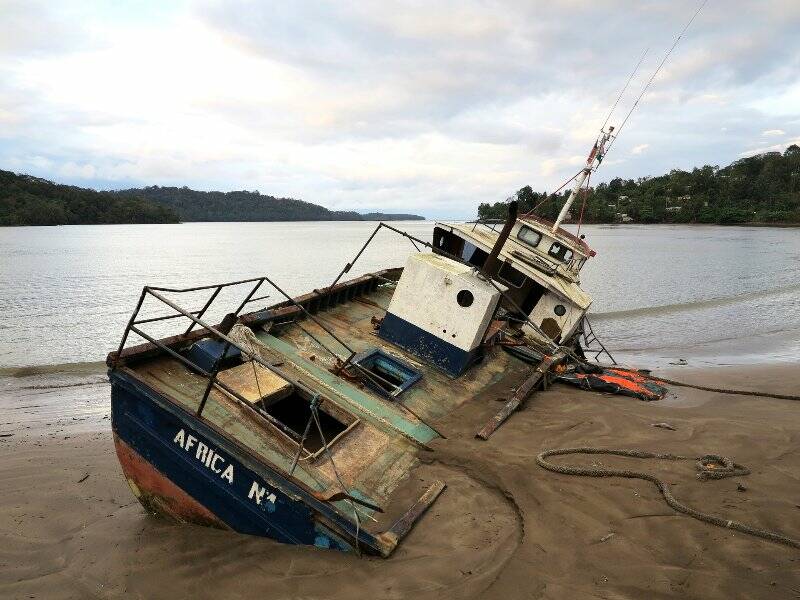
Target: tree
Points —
{"points": [[761, 188]]}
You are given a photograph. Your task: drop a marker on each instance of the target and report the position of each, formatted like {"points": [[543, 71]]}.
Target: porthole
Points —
{"points": [[465, 298], [559, 310]]}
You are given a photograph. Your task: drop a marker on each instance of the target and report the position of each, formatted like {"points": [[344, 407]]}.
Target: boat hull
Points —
{"points": [[179, 467]]}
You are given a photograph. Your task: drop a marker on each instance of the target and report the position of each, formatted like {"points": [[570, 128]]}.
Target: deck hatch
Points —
{"points": [[294, 412], [390, 376]]}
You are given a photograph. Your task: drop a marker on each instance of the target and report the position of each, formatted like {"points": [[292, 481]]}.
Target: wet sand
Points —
{"points": [[504, 528]]}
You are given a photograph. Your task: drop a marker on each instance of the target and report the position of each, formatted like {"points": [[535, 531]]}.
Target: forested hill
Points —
{"points": [[193, 205], [760, 189], [27, 200]]}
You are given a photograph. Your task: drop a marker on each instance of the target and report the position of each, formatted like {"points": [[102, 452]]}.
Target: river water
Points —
{"points": [[705, 294]]}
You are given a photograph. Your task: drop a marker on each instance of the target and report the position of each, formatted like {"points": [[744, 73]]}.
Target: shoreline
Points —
{"points": [[748, 224], [505, 528], [425, 220], [781, 225], [419, 220]]}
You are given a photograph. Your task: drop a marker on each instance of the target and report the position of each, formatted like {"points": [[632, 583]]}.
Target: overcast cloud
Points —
{"points": [[397, 106]]}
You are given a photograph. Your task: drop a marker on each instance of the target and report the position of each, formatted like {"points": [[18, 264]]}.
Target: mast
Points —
{"points": [[595, 156]]}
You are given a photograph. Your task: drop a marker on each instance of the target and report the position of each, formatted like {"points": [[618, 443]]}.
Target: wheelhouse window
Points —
{"points": [[387, 375], [529, 236], [473, 255], [510, 275], [561, 252]]}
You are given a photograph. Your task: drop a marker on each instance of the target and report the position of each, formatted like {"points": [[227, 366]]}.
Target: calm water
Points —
{"points": [[708, 294]]}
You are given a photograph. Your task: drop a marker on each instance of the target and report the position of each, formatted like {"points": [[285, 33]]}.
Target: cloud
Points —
{"points": [[404, 106], [773, 148], [774, 132]]}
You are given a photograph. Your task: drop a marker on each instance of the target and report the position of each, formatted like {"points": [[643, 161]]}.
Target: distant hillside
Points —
{"points": [[27, 200], [759, 189], [193, 205]]}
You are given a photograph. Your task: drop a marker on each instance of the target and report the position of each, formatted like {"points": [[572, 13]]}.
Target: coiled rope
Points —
{"points": [[710, 467]]}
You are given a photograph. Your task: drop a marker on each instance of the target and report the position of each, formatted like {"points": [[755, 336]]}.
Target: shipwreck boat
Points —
{"points": [[304, 421]]}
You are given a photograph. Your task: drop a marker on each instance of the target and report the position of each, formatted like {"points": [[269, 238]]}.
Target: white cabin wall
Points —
{"points": [[544, 309], [426, 297]]}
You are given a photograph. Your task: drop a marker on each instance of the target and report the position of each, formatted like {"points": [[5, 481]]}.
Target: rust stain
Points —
{"points": [[158, 494]]}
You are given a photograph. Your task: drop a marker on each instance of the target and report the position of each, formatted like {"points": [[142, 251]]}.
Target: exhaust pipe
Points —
{"points": [[490, 265]]}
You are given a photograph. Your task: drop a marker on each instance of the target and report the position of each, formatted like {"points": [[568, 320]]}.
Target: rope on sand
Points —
{"points": [[707, 388], [710, 467], [724, 391]]}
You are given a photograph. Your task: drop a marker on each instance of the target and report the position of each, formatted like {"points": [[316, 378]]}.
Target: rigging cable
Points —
{"points": [[547, 197], [655, 73], [625, 87]]}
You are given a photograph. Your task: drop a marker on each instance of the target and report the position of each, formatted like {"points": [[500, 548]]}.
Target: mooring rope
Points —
{"points": [[710, 467], [705, 388], [301, 446], [725, 391]]}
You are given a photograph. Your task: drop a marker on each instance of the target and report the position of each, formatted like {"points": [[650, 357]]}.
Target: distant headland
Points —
{"points": [[28, 200]]}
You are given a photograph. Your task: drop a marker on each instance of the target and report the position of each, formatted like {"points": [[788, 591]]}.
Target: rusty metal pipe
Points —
{"points": [[490, 265]]}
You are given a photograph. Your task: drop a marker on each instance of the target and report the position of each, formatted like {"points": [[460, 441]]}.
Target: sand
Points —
{"points": [[70, 527]]}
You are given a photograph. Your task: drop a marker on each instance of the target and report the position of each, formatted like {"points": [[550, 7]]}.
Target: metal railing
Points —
{"points": [[196, 319]]}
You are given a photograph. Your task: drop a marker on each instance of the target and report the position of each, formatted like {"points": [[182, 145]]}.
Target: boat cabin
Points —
{"points": [[539, 267]]}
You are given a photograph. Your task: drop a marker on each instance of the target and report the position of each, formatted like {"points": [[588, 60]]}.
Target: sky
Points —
{"points": [[423, 107]]}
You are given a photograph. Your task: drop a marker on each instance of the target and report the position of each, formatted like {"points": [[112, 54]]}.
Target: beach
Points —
{"points": [[504, 528]]}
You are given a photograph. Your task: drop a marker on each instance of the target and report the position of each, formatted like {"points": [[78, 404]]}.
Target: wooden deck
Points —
{"points": [[434, 397], [380, 447]]}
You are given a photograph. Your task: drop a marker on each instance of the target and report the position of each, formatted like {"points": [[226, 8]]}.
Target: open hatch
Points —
{"points": [[288, 408], [387, 375]]}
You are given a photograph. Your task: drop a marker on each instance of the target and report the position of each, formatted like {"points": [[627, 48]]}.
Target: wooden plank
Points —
{"points": [[522, 393], [255, 383], [391, 537]]}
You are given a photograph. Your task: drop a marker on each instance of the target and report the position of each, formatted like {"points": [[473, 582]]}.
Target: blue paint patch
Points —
{"points": [[433, 350], [207, 352], [322, 542], [390, 368]]}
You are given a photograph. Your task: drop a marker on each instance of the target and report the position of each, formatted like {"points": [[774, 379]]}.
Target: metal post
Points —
{"points": [[250, 295], [212, 377], [130, 324], [204, 309], [349, 265], [490, 265]]}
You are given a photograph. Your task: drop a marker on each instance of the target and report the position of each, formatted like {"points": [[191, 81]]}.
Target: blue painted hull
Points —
{"points": [[215, 476], [447, 357]]}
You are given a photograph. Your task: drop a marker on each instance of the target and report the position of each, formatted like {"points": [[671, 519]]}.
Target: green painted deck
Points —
{"points": [[432, 398]]}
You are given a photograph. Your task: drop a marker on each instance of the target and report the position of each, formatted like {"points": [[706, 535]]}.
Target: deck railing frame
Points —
{"points": [[195, 318]]}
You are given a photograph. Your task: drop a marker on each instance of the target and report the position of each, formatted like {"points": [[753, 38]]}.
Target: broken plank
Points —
{"points": [[522, 393]]}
